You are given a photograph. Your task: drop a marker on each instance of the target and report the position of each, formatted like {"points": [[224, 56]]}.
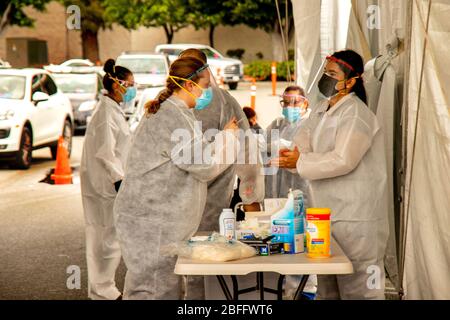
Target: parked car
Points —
{"points": [[4, 64], [34, 113], [231, 70], [149, 69], [84, 91], [147, 95], [75, 65]]}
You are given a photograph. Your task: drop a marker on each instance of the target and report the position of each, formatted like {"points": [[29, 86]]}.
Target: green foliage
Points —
{"points": [[256, 13], [236, 53], [16, 14], [282, 68], [261, 70], [169, 14]]}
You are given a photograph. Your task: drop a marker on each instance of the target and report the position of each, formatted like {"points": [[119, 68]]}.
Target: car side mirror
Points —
{"points": [[39, 96]]}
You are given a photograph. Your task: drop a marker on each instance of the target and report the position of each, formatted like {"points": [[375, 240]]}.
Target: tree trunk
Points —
{"points": [[211, 35], [90, 45], [168, 30]]}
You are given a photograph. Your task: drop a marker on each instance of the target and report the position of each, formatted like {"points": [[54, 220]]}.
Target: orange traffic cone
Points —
{"points": [[63, 172]]}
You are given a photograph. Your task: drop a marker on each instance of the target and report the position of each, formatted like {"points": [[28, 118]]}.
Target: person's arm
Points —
{"points": [[105, 137], [216, 157], [353, 139], [249, 171]]}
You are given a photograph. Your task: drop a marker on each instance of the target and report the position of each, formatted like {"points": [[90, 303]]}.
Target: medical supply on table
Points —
{"points": [[287, 224], [257, 224], [227, 224], [264, 247], [274, 205], [214, 248], [318, 232]]}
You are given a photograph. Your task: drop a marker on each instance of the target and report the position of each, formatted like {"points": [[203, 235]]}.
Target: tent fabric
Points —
{"points": [[380, 83], [307, 25], [427, 254]]}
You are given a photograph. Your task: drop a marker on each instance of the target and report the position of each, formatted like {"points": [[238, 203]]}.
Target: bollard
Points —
{"points": [[220, 79], [274, 78], [253, 94]]}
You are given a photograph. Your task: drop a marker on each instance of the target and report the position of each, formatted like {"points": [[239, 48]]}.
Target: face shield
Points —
{"points": [[330, 82], [205, 82], [294, 106]]}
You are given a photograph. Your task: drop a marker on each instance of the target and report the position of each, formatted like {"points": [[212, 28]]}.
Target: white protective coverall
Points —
{"points": [[161, 200], [222, 109], [278, 185], [342, 155], [105, 150]]}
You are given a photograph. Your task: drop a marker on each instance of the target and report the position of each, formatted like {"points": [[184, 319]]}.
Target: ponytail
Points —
{"points": [[359, 89], [152, 106]]}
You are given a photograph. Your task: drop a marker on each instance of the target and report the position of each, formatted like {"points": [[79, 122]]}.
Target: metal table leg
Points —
{"points": [[301, 287], [235, 288], [224, 287], [260, 285], [280, 287]]}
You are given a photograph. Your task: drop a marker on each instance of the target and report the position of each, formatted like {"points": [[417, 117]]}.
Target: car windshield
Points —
{"points": [[76, 83], [144, 65], [12, 87]]}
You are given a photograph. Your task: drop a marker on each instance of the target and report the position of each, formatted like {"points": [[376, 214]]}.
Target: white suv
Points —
{"points": [[232, 70], [34, 113], [150, 70]]}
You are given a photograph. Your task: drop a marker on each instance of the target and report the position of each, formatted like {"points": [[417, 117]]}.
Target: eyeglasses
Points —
{"points": [[127, 84]]}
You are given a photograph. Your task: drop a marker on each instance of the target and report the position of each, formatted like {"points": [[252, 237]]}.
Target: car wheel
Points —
{"points": [[67, 134], [233, 85], [24, 155]]}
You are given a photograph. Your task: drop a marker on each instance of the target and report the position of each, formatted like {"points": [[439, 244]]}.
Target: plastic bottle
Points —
{"points": [[318, 232], [227, 223]]}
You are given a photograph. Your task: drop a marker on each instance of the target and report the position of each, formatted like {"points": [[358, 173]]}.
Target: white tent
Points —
{"points": [[408, 84]]}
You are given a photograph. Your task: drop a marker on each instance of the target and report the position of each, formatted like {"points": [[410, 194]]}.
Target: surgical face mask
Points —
{"points": [[200, 102], [129, 94], [327, 85], [204, 100], [292, 114]]}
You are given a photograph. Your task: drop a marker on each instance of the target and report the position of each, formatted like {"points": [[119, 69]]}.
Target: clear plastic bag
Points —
{"points": [[215, 248]]}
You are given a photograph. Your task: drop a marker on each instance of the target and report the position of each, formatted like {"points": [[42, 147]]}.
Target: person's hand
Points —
{"points": [[287, 159], [232, 125]]}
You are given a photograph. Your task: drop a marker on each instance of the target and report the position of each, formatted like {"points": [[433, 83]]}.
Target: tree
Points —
{"points": [[12, 13], [207, 15], [92, 20], [169, 14], [263, 14]]}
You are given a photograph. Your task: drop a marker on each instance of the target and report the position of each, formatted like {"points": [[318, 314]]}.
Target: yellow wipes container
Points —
{"points": [[318, 232]]}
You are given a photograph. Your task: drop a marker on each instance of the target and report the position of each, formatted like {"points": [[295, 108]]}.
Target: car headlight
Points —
{"points": [[6, 115], [87, 106]]}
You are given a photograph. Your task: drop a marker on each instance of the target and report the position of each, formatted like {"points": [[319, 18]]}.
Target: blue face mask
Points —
{"points": [[204, 100], [292, 114], [129, 95]]}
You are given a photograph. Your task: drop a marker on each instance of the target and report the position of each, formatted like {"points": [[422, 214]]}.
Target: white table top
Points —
{"points": [[286, 264]]}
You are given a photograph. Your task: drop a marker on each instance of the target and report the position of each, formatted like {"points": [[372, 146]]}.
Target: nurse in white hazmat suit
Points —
{"points": [[105, 149], [163, 195], [280, 134], [220, 111], [340, 151]]}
